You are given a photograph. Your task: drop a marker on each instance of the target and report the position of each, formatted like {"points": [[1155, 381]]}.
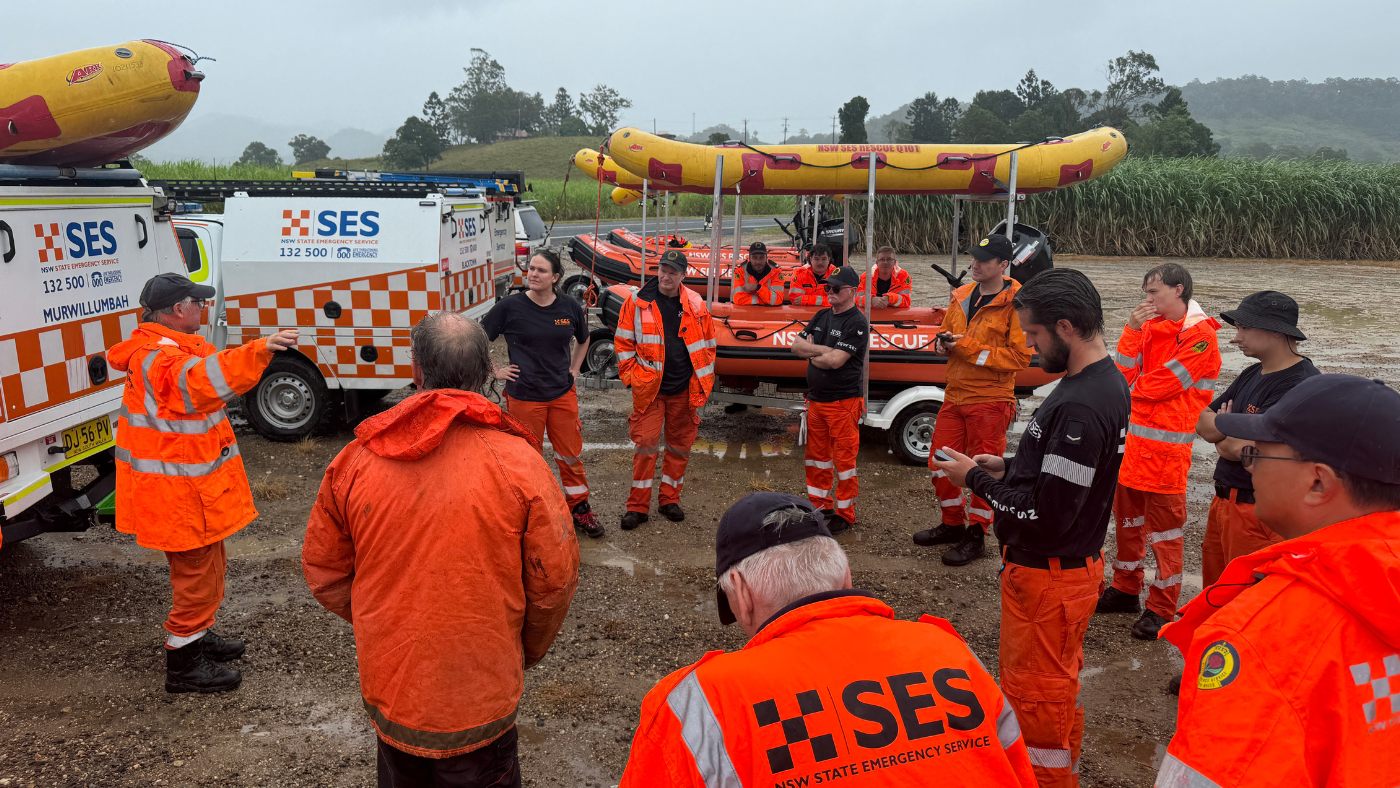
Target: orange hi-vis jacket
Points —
{"points": [[833, 689], [641, 345], [806, 290], [983, 365], [901, 292], [772, 289], [180, 478], [1293, 666], [1171, 367], [441, 535]]}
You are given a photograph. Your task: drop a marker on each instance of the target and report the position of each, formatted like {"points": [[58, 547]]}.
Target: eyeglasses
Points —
{"points": [[197, 303], [1248, 454]]}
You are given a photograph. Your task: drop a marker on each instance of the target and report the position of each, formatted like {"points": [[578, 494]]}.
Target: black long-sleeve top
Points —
{"points": [[1057, 494]]}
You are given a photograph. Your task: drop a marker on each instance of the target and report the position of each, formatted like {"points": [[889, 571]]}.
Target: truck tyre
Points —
{"points": [[602, 354], [576, 286], [290, 400], [911, 435]]}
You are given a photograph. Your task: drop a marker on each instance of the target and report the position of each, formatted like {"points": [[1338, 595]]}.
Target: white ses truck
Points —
{"points": [[353, 264], [76, 246]]}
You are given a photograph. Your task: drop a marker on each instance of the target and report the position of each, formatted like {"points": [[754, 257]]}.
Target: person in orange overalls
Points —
{"points": [[181, 487], [1293, 657], [834, 344], [757, 281], [830, 688], [893, 288], [985, 347], [809, 282], [666, 354], [1170, 357]]}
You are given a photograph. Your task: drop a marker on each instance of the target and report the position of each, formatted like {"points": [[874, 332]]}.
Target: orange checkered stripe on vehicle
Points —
{"points": [[469, 288], [340, 355], [45, 367]]}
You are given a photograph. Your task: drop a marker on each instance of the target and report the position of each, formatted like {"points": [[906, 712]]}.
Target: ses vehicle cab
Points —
{"points": [[76, 247], [353, 264]]}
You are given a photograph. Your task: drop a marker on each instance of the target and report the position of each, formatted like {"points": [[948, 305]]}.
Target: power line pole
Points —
{"points": [[833, 129], [785, 131], [746, 130], [692, 124]]}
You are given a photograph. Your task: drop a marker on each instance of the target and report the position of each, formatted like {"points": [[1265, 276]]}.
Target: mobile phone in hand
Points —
{"points": [[941, 456]]}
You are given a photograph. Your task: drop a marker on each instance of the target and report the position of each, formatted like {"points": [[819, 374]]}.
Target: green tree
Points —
{"points": [[416, 145], [1329, 154], [1170, 131], [898, 132], [717, 138], [979, 126], [306, 148], [437, 115], [1007, 106], [522, 112], [852, 117], [574, 126], [476, 106], [260, 155], [560, 110], [930, 120], [1132, 78], [602, 107], [1255, 150]]}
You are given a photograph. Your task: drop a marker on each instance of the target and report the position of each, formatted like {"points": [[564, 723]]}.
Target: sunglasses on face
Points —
{"points": [[1249, 454]]}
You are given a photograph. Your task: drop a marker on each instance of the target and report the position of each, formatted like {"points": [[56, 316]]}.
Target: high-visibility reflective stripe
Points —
{"points": [[1205, 384], [967, 303], [150, 399], [1165, 436], [183, 382], [216, 378], [1183, 375], [1134, 522], [699, 345], [638, 448], [958, 502], [1126, 361], [679, 452], [705, 372], [1048, 759], [575, 490], [1008, 730], [843, 475], [845, 503], [973, 510], [982, 358], [702, 734], [1175, 774], [940, 474], [1164, 536], [566, 459], [192, 427], [438, 740], [1174, 580], [651, 339], [623, 355], [186, 469], [624, 333], [673, 482], [1074, 767], [1067, 469], [816, 492], [819, 463], [1127, 566], [641, 484]]}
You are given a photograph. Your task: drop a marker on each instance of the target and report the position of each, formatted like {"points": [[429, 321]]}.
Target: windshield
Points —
{"points": [[531, 221]]}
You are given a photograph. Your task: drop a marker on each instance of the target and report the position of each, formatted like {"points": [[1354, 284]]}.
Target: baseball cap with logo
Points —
{"points": [[758, 246], [675, 259], [742, 533], [1347, 422], [845, 276], [994, 247], [165, 290]]}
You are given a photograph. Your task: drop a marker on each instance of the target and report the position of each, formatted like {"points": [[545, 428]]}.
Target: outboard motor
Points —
{"points": [[1032, 251]]}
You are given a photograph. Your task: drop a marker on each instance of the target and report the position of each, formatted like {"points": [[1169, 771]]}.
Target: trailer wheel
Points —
{"points": [[602, 353], [911, 435], [289, 402], [576, 286]]}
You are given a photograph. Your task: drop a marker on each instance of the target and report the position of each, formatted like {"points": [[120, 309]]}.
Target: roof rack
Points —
{"points": [[506, 181], [218, 191], [68, 176]]}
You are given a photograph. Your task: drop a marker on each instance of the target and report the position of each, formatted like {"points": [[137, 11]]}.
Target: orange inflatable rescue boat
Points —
{"points": [[615, 258]]}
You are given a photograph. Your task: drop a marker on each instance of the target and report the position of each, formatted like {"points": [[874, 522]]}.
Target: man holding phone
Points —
{"points": [[1052, 503]]}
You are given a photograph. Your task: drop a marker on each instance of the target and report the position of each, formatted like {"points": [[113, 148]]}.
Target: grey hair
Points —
{"points": [[152, 315], [453, 352], [785, 573]]}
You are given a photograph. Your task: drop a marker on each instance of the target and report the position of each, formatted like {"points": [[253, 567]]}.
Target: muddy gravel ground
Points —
{"points": [[81, 694]]}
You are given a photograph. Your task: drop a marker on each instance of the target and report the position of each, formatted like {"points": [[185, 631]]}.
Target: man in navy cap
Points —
{"points": [[813, 696], [1293, 656]]}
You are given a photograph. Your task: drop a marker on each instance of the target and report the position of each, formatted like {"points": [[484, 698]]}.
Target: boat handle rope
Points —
{"points": [[197, 56], [775, 157], [881, 334], [756, 337]]}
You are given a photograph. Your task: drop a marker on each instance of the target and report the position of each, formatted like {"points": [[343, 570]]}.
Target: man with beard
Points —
{"points": [[1052, 503]]}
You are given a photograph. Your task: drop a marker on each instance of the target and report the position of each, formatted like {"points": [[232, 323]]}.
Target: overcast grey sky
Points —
{"points": [[371, 64]]}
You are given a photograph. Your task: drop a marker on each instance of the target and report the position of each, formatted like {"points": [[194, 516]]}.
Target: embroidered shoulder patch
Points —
{"points": [[1200, 347], [1220, 664]]}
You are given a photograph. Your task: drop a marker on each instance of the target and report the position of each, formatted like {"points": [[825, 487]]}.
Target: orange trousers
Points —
{"points": [[974, 429], [833, 442], [1232, 530], [559, 418], [682, 423], [1141, 519], [1044, 614], [197, 585]]}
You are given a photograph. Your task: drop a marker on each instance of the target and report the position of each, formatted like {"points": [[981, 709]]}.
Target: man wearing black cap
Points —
{"points": [[829, 687], [757, 282], [834, 344], [666, 354], [1293, 657], [181, 487], [1266, 328]]}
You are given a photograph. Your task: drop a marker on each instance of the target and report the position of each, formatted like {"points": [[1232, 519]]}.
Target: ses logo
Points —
{"points": [[298, 224], [85, 239]]}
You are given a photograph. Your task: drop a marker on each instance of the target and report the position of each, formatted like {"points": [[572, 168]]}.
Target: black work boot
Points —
{"points": [[1148, 625], [837, 524], [972, 547], [632, 519], [189, 670], [1115, 601], [1174, 686], [943, 534], [221, 649], [672, 511], [585, 520]]}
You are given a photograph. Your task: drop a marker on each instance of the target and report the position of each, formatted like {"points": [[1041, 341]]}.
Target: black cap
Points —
{"points": [[1349, 423], [758, 246], [165, 290], [843, 276], [675, 259], [994, 247], [1269, 310], [742, 533]]}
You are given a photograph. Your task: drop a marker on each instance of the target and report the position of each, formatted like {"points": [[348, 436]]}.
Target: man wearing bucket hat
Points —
{"points": [[1266, 328], [814, 694], [1293, 656]]}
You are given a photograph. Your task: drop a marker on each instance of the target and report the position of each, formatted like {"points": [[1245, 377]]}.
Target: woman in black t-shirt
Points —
{"points": [[539, 325]]}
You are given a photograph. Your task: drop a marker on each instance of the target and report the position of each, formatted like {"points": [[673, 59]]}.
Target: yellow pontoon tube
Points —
{"points": [[598, 167]]}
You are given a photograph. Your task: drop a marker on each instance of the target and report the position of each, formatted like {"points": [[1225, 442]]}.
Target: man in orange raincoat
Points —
{"points": [[181, 487]]}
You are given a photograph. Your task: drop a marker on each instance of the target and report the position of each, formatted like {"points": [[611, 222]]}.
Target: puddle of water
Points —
{"points": [[609, 554]]}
